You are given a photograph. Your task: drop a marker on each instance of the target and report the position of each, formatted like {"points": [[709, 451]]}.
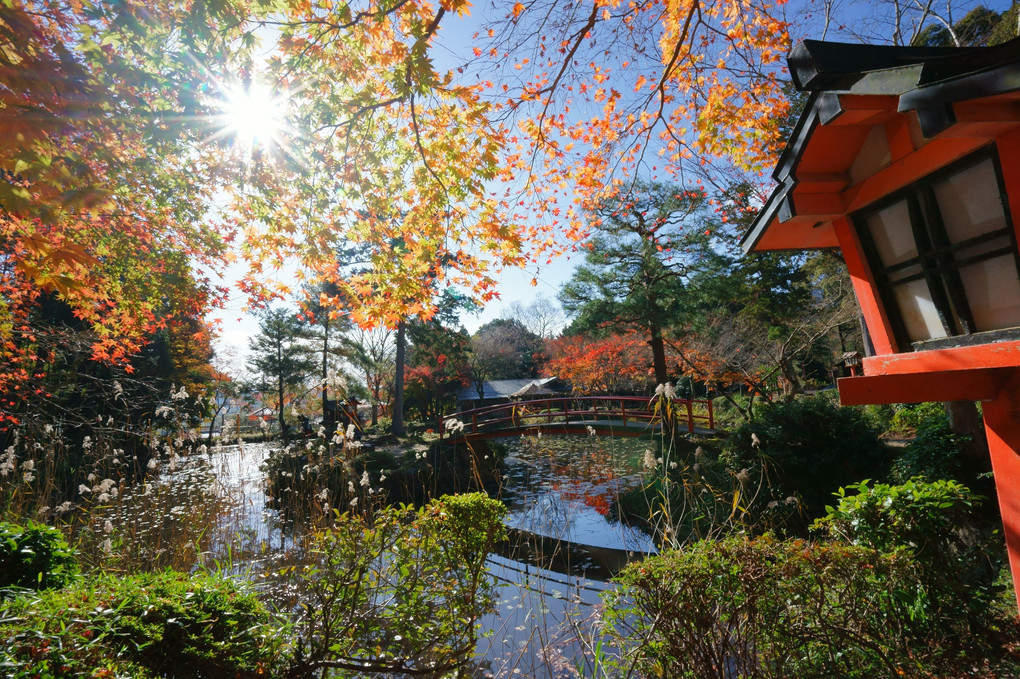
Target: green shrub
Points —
{"points": [[166, 624], [908, 418], [935, 451], [924, 516], [400, 593], [766, 608], [880, 417], [726, 414], [34, 556], [811, 447], [380, 428], [933, 521]]}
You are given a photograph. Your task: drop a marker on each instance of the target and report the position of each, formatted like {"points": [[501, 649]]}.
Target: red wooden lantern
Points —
{"points": [[908, 161]]}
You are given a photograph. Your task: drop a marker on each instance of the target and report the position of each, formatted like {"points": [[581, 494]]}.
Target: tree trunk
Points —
{"points": [[212, 423], [328, 414], [793, 385], [659, 358], [397, 427], [965, 421], [283, 423]]}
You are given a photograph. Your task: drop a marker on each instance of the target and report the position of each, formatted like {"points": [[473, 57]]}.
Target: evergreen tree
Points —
{"points": [[437, 366], [980, 26], [327, 323], [762, 315], [634, 272], [279, 354]]}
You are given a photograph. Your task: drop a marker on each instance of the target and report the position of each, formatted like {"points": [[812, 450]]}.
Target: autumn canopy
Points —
{"points": [[434, 145]]}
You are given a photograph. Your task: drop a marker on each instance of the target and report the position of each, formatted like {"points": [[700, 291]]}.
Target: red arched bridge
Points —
{"points": [[602, 415]]}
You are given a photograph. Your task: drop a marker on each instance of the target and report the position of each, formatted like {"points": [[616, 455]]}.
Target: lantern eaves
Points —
{"points": [[852, 88]]}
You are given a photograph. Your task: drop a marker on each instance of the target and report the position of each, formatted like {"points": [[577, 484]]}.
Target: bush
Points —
{"points": [[932, 520], [34, 556], [880, 417], [165, 624], [726, 414], [400, 593], [812, 447], [924, 516], [380, 428], [909, 418], [765, 608], [935, 451]]}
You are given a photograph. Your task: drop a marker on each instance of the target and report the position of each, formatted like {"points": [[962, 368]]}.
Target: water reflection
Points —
{"points": [[564, 546], [564, 488], [544, 623], [202, 510]]}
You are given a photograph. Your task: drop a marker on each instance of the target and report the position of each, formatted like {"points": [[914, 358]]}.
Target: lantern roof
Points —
{"points": [[930, 93]]}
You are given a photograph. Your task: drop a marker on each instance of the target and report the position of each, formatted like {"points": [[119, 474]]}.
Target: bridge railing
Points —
{"points": [[519, 415]]}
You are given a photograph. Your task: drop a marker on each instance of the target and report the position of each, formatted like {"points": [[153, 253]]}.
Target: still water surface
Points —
{"points": [[560, 491]]}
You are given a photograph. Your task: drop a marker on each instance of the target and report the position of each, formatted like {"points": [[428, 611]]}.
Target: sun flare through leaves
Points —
{"points": [[253, 116]]}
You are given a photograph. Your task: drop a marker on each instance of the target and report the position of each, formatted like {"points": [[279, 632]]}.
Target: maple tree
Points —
{"points": [[120, 192], [84, 411], [403, 154], [614, 364], [107, 174], [104, 188]]}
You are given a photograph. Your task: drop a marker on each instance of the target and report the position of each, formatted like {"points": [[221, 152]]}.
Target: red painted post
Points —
{"points": [[474, 423], [711, 415], [1002, 425], [690, 416], [623, 411]]}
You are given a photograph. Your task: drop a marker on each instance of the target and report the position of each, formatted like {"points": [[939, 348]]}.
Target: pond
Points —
{"points": [[560, 492], [565, 544]]}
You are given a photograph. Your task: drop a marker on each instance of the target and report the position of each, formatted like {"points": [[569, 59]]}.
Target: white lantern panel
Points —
{"points": [[892, 235], [970, 202], [992, 288], [920, 316]]}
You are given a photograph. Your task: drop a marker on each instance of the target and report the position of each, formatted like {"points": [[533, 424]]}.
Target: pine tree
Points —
{"points": [[633, 275], [278, 353]]}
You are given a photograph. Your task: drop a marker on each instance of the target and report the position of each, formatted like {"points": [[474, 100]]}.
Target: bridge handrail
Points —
{"points": [[474, 418]]}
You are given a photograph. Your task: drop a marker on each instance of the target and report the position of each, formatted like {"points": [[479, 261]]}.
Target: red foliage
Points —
{"points": [[609, 365]]}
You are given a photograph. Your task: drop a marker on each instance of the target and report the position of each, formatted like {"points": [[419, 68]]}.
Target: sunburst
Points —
{"points": [[253, 116]]}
